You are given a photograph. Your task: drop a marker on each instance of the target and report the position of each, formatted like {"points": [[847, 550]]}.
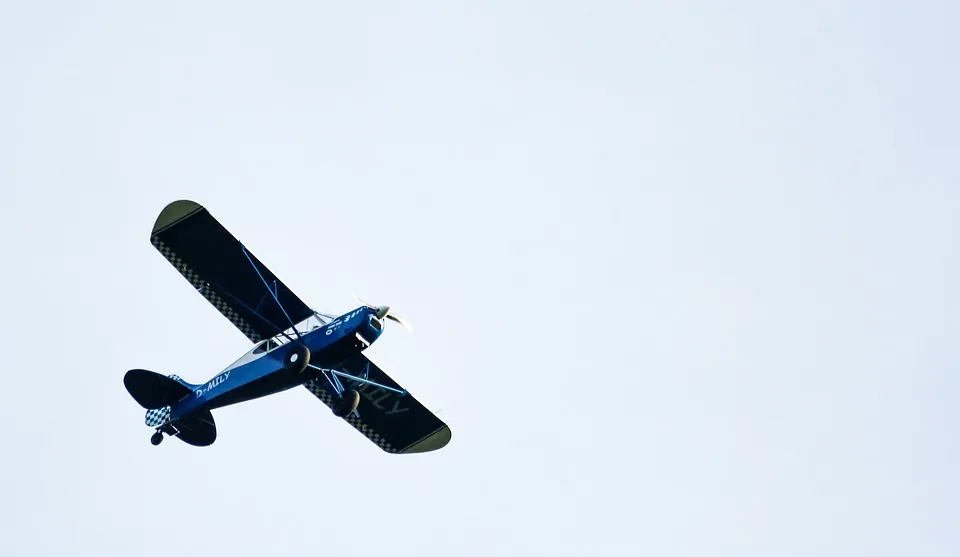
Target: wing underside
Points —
{"points": [[394, 422], [224, 272]]}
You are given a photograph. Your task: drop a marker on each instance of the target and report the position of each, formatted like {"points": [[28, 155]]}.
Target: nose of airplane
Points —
{"points": [[383, 312]]}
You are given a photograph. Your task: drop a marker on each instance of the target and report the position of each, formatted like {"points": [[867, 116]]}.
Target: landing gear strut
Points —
{"points": [[156, 438]]}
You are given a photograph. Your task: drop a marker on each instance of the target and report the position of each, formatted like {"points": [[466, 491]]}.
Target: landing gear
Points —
{"points": [[156, 438], [349, 400], [297, 358]]}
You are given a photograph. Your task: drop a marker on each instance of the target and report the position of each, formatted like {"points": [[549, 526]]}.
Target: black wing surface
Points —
{"points": [[397, 423], [216, 264]]}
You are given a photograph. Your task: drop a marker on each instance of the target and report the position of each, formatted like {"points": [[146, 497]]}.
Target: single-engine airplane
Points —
{"points": [[293, 346]]}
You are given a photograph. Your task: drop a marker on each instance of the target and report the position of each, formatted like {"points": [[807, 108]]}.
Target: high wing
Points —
{"points": [[216, 264], [397, 423]]}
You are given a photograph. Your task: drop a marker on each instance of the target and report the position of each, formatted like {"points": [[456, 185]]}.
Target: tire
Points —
{"points": [[296, 359], [348, 402], [156, 438]]}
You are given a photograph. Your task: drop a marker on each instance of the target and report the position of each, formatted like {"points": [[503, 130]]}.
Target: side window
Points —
{"points": [[265, 346]]}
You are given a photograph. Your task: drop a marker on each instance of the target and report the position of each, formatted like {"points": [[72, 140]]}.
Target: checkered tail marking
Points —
{"points": [[158, 416]]}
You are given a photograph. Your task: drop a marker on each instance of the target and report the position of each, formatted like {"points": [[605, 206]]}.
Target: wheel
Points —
{"points": [[156, 438], [297, 358], [348, 402]]}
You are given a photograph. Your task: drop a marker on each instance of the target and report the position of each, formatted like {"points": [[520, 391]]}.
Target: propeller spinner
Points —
{"points": [[383, 312]]}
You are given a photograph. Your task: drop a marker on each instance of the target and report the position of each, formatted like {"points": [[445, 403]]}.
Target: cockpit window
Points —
{"points": [[265, 346]]}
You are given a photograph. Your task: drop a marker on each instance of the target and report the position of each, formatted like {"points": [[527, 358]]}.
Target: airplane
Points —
{"points": [[294, 346]]}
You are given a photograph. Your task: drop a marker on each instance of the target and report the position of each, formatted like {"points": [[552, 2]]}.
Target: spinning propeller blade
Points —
{"points": [[383, 312]]}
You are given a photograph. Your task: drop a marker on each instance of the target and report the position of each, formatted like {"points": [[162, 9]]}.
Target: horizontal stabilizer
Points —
{"points": [[152, 390], [198, 430]]}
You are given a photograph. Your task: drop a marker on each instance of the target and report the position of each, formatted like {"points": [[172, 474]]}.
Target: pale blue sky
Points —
{"points": [[682, 274]]}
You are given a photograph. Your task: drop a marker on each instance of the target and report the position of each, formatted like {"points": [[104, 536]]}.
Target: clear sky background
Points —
{"points": [[682, 274]]}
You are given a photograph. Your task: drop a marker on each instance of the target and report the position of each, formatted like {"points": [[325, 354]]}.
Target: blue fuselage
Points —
{"points": [[261, 371]]}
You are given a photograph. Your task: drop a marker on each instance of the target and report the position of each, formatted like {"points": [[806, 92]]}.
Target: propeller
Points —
{"points": [[383, 312]]}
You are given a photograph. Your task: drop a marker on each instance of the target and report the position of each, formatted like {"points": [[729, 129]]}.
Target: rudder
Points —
{"points": [[158, 416]]}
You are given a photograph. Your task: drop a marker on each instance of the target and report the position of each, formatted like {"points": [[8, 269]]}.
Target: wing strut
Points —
{"points": [[338, 387], [333, 377], [221, 290], [272, 293]]}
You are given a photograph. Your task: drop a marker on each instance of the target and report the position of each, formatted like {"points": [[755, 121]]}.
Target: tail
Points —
{"points": [[157, 393], [152, 390]]}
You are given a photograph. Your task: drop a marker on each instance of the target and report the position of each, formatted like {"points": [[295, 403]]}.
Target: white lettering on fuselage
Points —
{"points": [[213, 383], [340, 321]]}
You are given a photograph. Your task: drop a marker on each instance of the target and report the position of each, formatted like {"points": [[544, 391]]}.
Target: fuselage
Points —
{"points": [[261, 372]]}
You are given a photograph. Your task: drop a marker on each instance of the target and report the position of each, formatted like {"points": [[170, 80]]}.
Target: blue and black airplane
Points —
{"points": [[294, 346]]}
